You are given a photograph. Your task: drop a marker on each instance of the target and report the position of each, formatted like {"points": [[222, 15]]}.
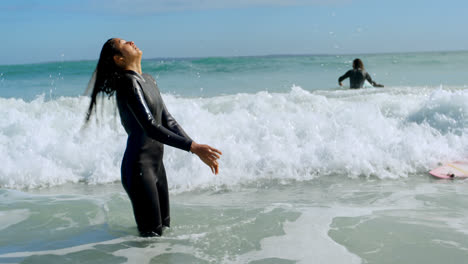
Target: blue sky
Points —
{"points": [[56, 30]]}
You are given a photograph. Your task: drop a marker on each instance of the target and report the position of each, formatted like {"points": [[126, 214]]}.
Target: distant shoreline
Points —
{"points": [[249, 56]]}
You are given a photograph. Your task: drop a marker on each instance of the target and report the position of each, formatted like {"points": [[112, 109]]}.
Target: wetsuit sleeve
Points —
{"points": [[369, 79], [170, 123], [168, 120], [139, 108], [346, 75]]}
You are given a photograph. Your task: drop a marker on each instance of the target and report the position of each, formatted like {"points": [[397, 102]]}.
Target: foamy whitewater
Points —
{"points": [[310, 172]]}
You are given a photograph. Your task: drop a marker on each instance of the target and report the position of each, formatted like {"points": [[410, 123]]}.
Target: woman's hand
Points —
{"points": [[207, 154]]}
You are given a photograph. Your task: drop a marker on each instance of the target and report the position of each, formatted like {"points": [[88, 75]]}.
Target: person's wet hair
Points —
{"points": [[105, 75], [358, 64]]}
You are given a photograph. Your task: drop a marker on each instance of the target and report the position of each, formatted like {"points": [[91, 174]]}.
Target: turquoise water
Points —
{"points": [[311, 172], [207, 77]]}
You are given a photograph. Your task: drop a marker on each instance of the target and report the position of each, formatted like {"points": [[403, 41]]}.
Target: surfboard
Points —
{"points": [[452, 170]]}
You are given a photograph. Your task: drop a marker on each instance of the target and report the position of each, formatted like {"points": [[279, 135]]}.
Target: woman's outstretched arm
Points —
{"points": [[207, 154], [170, 123], [346, 75], [139, 108], [369, 79]]}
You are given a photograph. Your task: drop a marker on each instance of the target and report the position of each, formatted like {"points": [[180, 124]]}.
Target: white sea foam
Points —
{"points": [[300, 135], [307, 239], [12, 217]]}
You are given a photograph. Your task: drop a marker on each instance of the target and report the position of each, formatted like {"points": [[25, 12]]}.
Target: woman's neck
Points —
{"points": [[134, 67]]}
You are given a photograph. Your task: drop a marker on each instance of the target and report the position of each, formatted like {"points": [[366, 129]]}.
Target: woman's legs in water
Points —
{"points": [[149, 197], [163, 192]]}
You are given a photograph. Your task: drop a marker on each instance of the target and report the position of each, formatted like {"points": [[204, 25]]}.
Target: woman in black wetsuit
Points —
{"points": [[357, 76], [149, 126]]}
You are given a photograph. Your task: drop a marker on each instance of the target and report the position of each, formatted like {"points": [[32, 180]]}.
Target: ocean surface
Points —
{"points": [[311, 172]]}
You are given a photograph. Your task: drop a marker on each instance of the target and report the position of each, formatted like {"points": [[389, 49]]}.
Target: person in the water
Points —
{"points": [[357, 76], [149, 126]]}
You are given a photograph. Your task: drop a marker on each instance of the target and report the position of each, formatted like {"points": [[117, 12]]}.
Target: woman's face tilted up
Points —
{"points": [[130, 53]]}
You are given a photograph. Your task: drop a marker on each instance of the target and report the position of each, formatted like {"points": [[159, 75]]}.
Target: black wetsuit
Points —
{"points": [[357, 77], [149, 126]]}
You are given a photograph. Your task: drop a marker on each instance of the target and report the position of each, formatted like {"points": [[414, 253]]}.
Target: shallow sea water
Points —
{"points": [[328, 220]]}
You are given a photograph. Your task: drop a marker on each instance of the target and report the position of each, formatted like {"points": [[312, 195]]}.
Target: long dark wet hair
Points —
{"points": [[105, 76], [358, 64]]}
